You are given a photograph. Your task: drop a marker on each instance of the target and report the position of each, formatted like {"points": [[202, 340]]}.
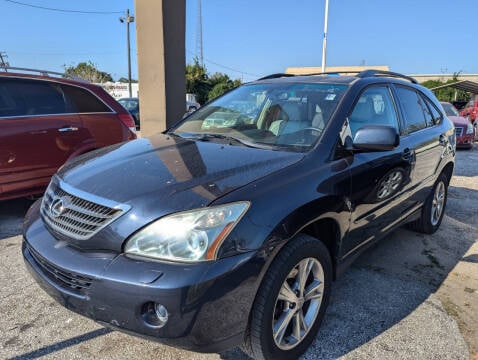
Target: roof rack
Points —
{"points": [[42, 72], [275, 76], [372, 73]]}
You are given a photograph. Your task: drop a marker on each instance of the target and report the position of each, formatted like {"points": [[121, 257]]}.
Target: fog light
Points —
{"points": [[161, 313], [154, 315]]}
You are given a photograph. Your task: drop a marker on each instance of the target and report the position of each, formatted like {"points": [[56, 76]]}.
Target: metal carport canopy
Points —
{"points": [[465, 85]]}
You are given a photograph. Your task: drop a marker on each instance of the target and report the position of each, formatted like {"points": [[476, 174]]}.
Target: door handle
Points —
{"points": [[68, 129], [407, 154], [443, 139]]}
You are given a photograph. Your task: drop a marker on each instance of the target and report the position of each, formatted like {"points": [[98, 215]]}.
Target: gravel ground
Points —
{"points": [[411, 296]]}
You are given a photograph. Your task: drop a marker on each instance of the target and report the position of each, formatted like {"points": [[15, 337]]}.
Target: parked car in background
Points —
{"points": [[192, 106], [470, 111], [465, 131], [459, 105], [132, 105], [230, 231], [47, 120]]}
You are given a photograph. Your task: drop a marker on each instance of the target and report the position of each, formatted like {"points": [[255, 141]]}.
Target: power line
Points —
{"points": [[227, 67], [64, 10]]}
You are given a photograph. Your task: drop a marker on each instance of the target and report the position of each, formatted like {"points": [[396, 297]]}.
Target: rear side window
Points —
{"points": [[82, 101], [435, 113], [415, 112], [25, 97]]}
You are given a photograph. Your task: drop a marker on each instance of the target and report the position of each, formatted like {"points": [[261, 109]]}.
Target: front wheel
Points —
{"points": [[433, 209], [291, 301]]}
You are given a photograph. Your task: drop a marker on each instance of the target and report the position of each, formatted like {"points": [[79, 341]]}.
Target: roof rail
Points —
{"points": [[329, 73], [373, 72], [275, 76], [42, 72]]}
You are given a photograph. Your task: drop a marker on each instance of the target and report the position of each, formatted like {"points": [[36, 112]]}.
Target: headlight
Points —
{"points": [[189, 236], [469, 129]]}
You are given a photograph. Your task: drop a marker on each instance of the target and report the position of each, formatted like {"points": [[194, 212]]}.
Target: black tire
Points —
{"points": [[259, 342], [424, 224]]}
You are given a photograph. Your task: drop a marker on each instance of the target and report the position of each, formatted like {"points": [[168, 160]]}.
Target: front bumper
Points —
{"points": [[208, 303]]}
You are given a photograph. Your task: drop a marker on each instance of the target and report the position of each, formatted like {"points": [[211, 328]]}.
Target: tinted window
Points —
{"points": [[414, 110], [374, 107], [82, 101], [436, 114], [24, 97]]}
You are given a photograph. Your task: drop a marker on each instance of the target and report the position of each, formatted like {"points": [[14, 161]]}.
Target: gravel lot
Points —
{"points": [[411, 296]]}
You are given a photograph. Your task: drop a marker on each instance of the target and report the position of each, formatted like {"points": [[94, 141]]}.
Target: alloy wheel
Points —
{"points": [[298, 303], [438, 203]]}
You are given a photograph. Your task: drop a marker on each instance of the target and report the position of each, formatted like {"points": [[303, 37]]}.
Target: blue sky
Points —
{"points": [[250, 38]]}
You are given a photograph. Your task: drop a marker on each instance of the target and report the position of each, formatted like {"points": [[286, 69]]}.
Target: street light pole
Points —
{"points": [[324, 42], [128, 19]]}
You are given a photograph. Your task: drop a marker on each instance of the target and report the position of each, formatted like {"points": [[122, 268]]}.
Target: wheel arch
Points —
{"points": [[448, 170], [325, 228]]}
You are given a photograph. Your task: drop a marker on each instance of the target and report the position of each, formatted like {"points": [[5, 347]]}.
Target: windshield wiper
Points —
{"points": [[211, 136], [233, 140]]}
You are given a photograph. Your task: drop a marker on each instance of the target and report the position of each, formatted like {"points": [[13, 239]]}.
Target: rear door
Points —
{"points": [[421, 137], [37, 134], [101, 122]]}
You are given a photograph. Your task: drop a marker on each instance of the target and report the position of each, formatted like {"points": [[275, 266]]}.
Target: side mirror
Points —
{"points": [[376, 138]]}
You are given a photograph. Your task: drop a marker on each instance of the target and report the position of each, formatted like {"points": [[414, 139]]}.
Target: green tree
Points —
{"points": [[197, 81], [207, 87], [88, 71], [447, 93], [125, 80], [221, 83]]}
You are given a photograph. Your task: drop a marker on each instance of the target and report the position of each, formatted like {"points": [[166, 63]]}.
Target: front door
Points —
{"points": [[379, 179]]}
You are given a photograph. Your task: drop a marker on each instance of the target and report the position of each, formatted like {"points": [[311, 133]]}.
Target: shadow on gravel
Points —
{"points": [[61, 345], [12, 213]]}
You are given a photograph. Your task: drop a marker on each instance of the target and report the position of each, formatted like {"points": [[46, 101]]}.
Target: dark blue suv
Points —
{"points": [[230, 227]]}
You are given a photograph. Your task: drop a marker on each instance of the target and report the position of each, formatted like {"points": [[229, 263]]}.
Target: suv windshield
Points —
{"points": [[286, 116]]}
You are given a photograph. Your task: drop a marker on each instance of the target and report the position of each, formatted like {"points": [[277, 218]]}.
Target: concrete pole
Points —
{"points": [[160, 33], [324, 42]]}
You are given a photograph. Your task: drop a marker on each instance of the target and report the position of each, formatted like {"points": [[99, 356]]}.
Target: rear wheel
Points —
{"points": [[433, 209], [291, 301]]}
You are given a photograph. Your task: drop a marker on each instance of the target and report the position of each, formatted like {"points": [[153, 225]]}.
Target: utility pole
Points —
{"points": [[324, 42], [199, 48], [128, 19], [3, 63]]}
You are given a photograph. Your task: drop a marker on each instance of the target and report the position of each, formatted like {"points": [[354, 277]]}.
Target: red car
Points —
{"points": [[465, 132], [46, 120], [470, 111]]}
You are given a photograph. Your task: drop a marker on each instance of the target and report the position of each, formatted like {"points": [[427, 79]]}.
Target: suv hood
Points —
{"points": [[459, 120], [169, 173]]}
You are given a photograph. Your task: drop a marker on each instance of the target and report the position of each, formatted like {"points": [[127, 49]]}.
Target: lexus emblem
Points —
{"points": [[58, 206]]}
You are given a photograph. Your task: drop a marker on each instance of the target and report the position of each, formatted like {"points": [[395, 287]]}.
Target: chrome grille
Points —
{"points": [[459, 131], [63, 278], [76, 214]]}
